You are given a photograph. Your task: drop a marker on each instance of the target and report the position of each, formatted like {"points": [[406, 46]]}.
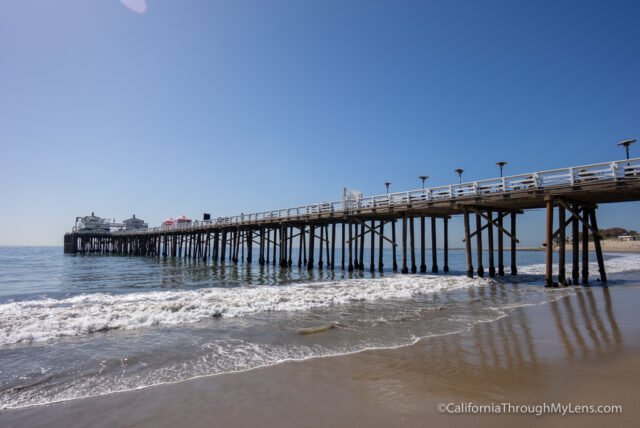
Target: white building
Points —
{"points": [[626, 238], [134, 223]]}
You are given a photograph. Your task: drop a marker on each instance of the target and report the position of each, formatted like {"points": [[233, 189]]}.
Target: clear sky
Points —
{"points": [[239, 106]]}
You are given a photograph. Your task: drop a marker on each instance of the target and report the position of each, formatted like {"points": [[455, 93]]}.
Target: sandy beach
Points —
{"points": [[580, 349]]}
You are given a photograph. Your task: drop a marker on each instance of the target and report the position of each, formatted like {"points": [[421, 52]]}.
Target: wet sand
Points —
{"points": [[583, 349]]}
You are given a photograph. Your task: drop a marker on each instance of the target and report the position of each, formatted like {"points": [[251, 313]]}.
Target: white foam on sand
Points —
{"points": [[47, 318]]}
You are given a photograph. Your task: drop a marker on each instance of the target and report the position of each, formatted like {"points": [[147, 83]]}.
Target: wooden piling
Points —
{"points": [[562, 246], [290, 260], [404, 245], [275, 240], [356, 263], [372, 249], [467, 242], [549, 243], [362, 233], [479, 244], [326, 244], [514, 268], [381, 247], [284, 241], [333, 246], [598, 246], [500, 244], [394, 246], [300, 246], [423, 264], [223, 247], [445, 243], [320, 263], [575, 248], [414, 268], [350, 242], [585, 246], [492, 266], [434, 246], [312, 234], [343, 249]]}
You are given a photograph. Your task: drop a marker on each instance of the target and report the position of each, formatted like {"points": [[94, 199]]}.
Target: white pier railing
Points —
{"points": [[602, 172]]}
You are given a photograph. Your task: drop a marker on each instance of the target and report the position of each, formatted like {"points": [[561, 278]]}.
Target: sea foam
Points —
{"points": [[47, 318]]}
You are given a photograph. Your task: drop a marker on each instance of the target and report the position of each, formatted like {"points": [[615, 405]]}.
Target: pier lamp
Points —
{"points": [[388, 183], [459, 171], [501, 165], [423, 178], [626, 144]]}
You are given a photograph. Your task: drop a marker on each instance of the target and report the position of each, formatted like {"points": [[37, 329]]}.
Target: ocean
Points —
{"points": [[75, 326]]}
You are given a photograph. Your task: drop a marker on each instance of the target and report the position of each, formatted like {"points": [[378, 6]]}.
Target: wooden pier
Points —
{"points": [[306, 236]]}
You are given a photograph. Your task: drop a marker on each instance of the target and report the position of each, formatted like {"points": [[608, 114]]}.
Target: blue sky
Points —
{"points": [[229, 106]]}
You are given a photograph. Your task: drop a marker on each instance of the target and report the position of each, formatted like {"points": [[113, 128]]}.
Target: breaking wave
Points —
{"points": [[47, 318]]}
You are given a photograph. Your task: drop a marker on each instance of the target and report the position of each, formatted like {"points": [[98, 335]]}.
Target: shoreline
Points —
{"points": [[520, 357]]}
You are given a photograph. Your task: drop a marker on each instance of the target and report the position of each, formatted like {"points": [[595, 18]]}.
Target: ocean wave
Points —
{"points": [[615, 264], [47, 318]]}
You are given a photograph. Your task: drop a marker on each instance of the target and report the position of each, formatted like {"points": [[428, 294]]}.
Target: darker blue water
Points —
{"points": [[31, 272]]}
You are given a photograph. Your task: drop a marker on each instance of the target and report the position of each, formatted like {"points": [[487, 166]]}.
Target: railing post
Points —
{"points": [[572, 178]]}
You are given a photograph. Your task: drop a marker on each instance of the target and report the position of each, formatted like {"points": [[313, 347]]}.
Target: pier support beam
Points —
{"points": [[423, 263], [356, 263], [404, 245], [467, 242], [362, 233], [394, 246], [500, 244], [350, 242], [290, 260], [562, 246], [598, 247], [381, 247], [312, 234], [445, 226], [333, 246], [492, 267], [372, 264], [549, 242], [223, 247], [434, 246], [479, 244], [301, 250], [267, 249], [514, 268], [343, 237], [321, 247], [585, 246], [575, 248], [275, 244], [414, 268]]}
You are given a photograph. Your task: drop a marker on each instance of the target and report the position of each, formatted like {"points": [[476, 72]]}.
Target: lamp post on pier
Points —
{"points": [[459, 171], [501, 165], [388, 183], [626, 144], [423, 178]]}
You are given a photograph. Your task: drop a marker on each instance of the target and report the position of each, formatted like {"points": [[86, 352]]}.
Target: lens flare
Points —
{"points": [[138, 6]]}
